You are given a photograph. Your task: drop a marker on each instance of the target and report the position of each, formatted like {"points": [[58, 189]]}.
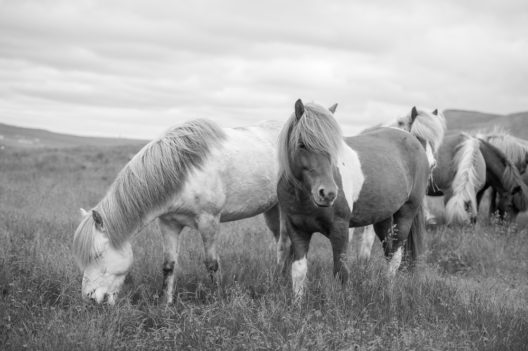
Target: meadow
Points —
{"points": [[470, 294]]}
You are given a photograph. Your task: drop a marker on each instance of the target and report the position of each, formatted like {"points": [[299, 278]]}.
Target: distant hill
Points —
{"points": [[515, 123], [20, 137]]}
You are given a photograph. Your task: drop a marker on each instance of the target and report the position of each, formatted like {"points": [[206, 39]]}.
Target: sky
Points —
{"points": [[131, 68]]}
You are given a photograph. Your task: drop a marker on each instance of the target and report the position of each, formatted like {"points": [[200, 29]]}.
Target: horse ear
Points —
{"points": [[414, 114], [98, 220], [84, 213], [435, 112], [333, 108], [299, 109]]}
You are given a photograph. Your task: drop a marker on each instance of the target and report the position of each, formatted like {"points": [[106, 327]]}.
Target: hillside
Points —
{"points": [[20, 137], [516, 123]]}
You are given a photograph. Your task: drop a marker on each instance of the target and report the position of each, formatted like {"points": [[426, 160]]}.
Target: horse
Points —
{"points": [[328, 183], [195, 175], [516, 150], [467, 166], [509, 206], [429, 128]]}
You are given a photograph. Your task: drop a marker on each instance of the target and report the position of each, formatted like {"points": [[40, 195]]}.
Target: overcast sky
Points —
{"points": [[133, 68]]}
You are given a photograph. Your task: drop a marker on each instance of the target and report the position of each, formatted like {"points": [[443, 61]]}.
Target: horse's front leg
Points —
{"points": [[171, 246], [339, 239], [300, 242], [208, 225]]}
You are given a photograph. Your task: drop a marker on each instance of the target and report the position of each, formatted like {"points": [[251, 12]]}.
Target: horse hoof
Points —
{"points": [[212, 265]]}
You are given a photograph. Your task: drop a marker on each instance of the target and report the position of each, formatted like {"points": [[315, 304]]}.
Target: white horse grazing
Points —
{"points": [[196, 175], [429, 128]]}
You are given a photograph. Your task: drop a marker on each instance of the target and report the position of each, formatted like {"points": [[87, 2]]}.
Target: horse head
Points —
{"points": [[312, 143], [104, 266]]}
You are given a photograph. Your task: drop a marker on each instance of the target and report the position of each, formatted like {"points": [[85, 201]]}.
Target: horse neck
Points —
{"points": [[495, 167], [122, 221]]}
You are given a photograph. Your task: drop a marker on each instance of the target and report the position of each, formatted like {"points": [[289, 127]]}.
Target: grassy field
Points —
{"points": [[471, 294]]}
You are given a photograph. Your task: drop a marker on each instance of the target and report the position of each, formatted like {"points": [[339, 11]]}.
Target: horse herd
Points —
{"points": [[304, 177]]}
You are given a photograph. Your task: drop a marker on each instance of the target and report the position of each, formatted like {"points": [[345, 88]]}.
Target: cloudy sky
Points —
{"points": [[132, 68]]}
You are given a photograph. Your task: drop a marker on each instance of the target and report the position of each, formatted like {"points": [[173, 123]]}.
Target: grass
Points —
{"points": [[471, 293]]}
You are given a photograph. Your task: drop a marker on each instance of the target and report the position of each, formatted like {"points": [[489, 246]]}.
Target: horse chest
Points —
{"points": [[317, 221]]}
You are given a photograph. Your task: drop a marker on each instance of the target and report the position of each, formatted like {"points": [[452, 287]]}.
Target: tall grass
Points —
{"points": [[470, 294]]}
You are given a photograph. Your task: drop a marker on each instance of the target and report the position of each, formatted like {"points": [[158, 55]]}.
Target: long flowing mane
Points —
{"points": [[465, 181], [515, 149], [317, 131], [151, 178], [429, 127]]}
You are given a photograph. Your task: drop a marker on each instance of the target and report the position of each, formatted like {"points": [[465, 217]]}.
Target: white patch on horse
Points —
{"points": [[299, 270], [395, 262], [352, 177], [365, 245]]}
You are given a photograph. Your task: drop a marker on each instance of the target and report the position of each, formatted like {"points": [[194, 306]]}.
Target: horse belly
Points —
{"points": [[378, 200]]}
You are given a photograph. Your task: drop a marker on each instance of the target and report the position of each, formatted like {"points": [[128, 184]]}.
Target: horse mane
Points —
{"points": [[430, 127], [317, 131], [510, 177], [465, 180], [515, 149], [148, 181]]}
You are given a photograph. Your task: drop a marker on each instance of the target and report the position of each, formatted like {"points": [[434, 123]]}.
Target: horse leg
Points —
{"points": [[392, 247], [170, 231], [284, 247], [208, 225], [403, 221], [430, 219], [300, 243], [365, 242], [339, 240], [493, 202]]}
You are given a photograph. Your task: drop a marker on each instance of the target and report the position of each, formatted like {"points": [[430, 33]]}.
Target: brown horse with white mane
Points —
{"points": [[328, 183]]}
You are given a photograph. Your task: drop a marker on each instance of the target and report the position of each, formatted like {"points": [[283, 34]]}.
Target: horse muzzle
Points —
{"points": [[324, 198]]}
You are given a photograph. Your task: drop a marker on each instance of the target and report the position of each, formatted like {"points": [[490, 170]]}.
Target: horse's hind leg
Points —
{"points": [[208, 225], [392, 247], [284, 247], [403, 221], [171, 246]]}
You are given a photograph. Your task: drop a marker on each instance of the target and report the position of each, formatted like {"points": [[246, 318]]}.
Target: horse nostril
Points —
{"points": [[322, 192], [331, 195]]}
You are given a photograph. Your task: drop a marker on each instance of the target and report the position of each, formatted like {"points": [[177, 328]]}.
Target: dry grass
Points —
{"points": [[471, 293]]}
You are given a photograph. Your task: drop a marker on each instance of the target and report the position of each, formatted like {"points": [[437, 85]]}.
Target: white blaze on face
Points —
{"points": [[104, 277], [352, 177], [395, 262], [299, 270]]}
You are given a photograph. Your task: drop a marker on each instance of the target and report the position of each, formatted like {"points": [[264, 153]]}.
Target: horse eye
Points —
{"points": [[302, 146], [400, 123]]}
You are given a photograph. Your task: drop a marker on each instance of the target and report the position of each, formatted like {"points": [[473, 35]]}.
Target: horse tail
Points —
{"points": [[414, 246], [465, 181]]}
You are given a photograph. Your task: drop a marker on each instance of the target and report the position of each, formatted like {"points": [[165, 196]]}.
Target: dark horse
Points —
{"points": [[466, 168], [328, 184]]}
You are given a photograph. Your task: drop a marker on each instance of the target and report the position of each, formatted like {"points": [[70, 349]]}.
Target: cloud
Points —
{"points": [[133, 68]]}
